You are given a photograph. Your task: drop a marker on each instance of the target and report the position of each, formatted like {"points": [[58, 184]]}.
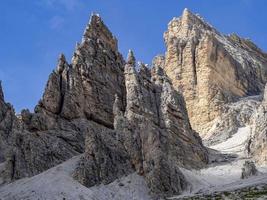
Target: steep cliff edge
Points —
{"points": [[210, 69]]}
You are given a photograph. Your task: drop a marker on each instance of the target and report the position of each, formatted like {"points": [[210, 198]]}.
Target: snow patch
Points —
{"points": [[236, 144], [225, 175]]}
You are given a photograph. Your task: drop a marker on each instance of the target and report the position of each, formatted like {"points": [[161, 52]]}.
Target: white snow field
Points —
{"points": [[235, 144], [225, 176]]}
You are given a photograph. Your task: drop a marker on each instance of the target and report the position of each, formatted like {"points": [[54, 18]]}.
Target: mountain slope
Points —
{"points": [[123, 120], [131, 129]]}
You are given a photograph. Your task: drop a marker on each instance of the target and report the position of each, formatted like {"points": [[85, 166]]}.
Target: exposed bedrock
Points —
{"points": [[210, 69]]}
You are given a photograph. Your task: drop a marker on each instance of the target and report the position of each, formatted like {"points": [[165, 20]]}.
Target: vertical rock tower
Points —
{"points": [[210, 69]]}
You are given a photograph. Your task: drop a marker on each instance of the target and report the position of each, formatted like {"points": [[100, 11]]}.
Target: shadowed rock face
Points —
{"points": [[154, 132], [248, 170], [122, 120], [7, 123], [76, 95], [210, 69], [86, 87]]}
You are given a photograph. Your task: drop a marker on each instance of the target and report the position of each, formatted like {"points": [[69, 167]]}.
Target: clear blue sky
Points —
{"points": [[34, 32]]}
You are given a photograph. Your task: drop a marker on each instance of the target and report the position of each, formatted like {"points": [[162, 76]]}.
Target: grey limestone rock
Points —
{"points": [[249, 169], [154, 130], [123, 120]]}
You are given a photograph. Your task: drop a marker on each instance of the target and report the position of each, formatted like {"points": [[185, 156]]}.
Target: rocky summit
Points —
{"points": [[109, 128], [211, 69]]}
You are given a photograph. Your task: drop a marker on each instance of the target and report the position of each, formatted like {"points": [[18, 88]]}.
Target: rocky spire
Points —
{"points": [[1, 92], [94, 20], [144, 71], [130, 58], [187, 16], [130, 69], [188, 19], [62, 63], [97, 30], [186, 12], [158, 61]]}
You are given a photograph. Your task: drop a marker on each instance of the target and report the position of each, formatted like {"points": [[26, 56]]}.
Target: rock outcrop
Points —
{"points": [[233, 116], [123, 121], [210, 69], [86, 87], [248, 170], [257, 146], [246, 112], [8, 121], [154, 131], [126, 121], [76, 96]]}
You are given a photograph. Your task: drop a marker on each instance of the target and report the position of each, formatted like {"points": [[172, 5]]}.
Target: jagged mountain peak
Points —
{"points": [[188, 26], [125, 120], [131, 58], [189, 17], [62, 63], [96, 29], [194, 48]]}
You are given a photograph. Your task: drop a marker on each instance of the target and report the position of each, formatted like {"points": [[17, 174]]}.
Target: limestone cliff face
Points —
{"points": [[210, 69]]}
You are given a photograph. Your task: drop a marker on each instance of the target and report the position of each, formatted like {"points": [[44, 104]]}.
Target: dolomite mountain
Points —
{"points": [[111, 122], [211, 69]]}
